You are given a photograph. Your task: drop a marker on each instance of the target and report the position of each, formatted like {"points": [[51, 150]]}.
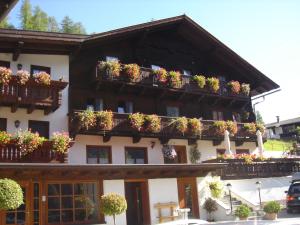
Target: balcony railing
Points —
{"points": [[122, 127], [32, 95], [148, 79], [43, 154]]}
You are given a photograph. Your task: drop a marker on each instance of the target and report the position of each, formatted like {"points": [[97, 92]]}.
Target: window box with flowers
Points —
{"points": [[161, 75], [5, 75], [131, 72], [213, 84], [234, 87], [218, 128], [137, 121], [175, 79], [111, 68]]}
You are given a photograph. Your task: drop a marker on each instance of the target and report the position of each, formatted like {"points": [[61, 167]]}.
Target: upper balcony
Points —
{"points": [[108, 124], [31, 95], [144, 79]]}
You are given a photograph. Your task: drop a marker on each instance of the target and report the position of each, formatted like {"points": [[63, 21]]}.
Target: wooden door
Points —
{"points": [[188, 195]]}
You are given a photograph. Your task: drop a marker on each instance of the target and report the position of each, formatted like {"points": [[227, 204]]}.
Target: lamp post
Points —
{"points": [[258, 186], [229, 186]]}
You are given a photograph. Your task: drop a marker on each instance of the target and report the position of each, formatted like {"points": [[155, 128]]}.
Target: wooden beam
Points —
{"points": [[239, 142], [217, 142], [163, 94], [201, 98], [192, 141], [121, 88], [106, 138], [17, 50], [164, 140], [136, 139], [30, 109], [14, 108]]}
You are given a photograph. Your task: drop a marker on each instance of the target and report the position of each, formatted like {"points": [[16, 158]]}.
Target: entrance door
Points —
{"points": [[188, 195], [19, 216], [137, 197]]}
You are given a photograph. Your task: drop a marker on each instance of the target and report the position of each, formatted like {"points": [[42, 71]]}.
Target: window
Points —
{"points": [[236, 117], [5, 64], [98, 154], [111, 59], [41, 127], [218, 115], [186, 72], [180, 158], [36, 69], [242, 151], [3, 124], [125, 107], [172, 111], [94, 104], [221, 151], [155, 67], [99, 104], [136, 156], [72, 202]]}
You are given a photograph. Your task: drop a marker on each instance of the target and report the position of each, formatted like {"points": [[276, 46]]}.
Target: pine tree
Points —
{"points": [[52, 24], [39, 19], [26, 15], [66, 25], [78, 28]]}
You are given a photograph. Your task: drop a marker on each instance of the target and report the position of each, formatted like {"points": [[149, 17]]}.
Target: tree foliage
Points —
{"points": [[5, 24], [259, 118], [11, 194]]}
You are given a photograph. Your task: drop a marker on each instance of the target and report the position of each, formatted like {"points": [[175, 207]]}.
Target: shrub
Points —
{"points": [[195, 126], [22, 76], [213, 84], [5, 75], [200, 80], [210, 206], [250, 128], [137, 121], [219, 128], [216, 189], [42, 78], [245, 89], [60, 142], [132, 71], [260, 127], [234, 87], [161, 75], [243, 211], [195, 154], [152, 123], [232, 127], [11, 194], [112, 204], [181, 124], [175, 79], [113, 68], [28, 141], [105, 120], [87, 119], [272, 207], [4, 138]]}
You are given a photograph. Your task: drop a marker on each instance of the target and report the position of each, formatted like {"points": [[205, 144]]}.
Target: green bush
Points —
{"points": [[11, 194], [243, 211], [272, 207], [210, 206], [216, 189]]}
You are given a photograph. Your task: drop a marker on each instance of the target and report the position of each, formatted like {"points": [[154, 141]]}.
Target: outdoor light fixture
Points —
{"points": [[229, 186], [152, 144], [258, 186], [17, 123]]}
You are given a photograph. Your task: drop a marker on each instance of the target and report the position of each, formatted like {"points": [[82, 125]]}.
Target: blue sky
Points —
{"points": [[264, 32]]}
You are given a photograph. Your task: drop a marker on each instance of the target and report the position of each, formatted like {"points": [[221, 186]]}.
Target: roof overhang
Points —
{"points": [[5, 7]]}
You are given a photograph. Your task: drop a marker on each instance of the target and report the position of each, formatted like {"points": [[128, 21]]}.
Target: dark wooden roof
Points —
{"points": [[5, 7], [58, 43]]}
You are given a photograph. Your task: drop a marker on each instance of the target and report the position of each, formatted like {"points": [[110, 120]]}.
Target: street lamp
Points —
{"points": [[229, 186], [258, 186]]}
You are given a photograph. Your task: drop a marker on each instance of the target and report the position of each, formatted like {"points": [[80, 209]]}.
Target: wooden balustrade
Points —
{"points": [[32, 95]]}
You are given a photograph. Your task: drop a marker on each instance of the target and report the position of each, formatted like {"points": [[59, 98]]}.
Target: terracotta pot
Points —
{"points": [[243, 218], [270, 216]]}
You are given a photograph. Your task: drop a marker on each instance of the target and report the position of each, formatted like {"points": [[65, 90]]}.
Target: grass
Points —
{"points": [[278, 145]]}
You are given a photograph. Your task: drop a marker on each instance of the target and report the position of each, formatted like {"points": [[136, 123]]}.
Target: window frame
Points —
{"points": [[109, 58], [145, 149], [242, 151], [40, 121], [40, 68], [3, 121], [4, 63], [172, 106], [100, 146], [181, 155]]}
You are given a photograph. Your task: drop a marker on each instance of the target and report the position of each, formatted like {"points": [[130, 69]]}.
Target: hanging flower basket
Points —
{"points": [[169, 151]]}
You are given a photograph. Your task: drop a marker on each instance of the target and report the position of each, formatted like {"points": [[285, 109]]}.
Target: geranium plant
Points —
{"points": [[131, 71], [105, 119], [219, 127], [28, 141], [175, 79], [87, 119], [232, 127], [42, 78], [161, 75], [181, 124], [11, 194], [250, 128], [234, 87], [213, 83], [152, 123], [112, 68], [200, 80], [137, 121], [60, 142], [195, 126], [4, 138], [22, 76], [5, 75], [245, 89]]}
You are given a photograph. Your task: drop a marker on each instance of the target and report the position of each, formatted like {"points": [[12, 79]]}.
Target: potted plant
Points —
{"points": [[213, 84], [42, 78], [195, 154], [181, 124], [112, 68], [60, 142], [232, 127], [175, 79], [200, 80], [5, 75], [219, 127], [250, 128], [132, 72], [195, 126], [242, 212], [137, 121], [161, 75], [271, 209], [112, 204], [4, 138], [11, 194], [210, 206], [22, 76], [216, 189], [260, 127], [28, 141], [86, 119], [105, 119], [245, 89], [248, 159], [152, 123], [234, 86]]}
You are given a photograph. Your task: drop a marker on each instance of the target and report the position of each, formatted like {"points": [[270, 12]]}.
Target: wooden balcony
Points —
{"points": [[32, 95], [10, 153], [122, 127]]}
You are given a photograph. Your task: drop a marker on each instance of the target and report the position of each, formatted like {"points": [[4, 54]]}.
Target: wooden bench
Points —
{"points": [[171, 217]]}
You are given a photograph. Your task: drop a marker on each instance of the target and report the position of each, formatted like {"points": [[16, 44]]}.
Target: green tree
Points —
{"points": [[68, 26], [52, 24], [39, 19], [78, 28], [259, 118], [5, 24], [26, 15]]}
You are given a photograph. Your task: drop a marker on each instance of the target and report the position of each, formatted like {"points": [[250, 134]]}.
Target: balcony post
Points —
{"points": [[260, 143], [227, 143]]}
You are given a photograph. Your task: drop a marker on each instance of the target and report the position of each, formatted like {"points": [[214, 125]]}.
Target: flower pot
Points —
{"points": [[243, 218], [270, 216]]}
